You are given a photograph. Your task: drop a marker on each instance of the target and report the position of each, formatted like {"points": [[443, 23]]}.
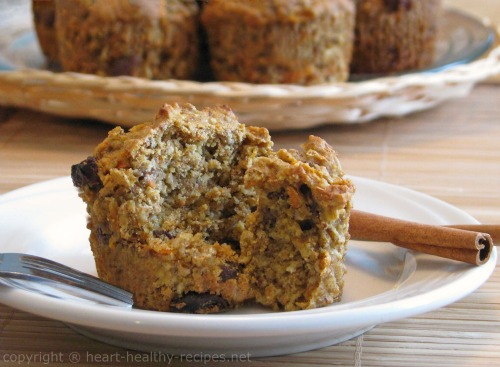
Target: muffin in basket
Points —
{"points": [[182, 215], [155, 39], [394, 35], [280, 41], [44, 21]]}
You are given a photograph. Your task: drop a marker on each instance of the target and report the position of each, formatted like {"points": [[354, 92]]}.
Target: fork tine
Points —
{"points": [[80, 279], [60, 269], [10, 262], [66, 270], [56, 274], [48, 269]]}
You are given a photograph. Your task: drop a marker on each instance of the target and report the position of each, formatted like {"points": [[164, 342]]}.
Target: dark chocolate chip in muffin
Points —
{"points": [[199, 303], [395, 5], [229, 271], [161, 233], [85, 174]]}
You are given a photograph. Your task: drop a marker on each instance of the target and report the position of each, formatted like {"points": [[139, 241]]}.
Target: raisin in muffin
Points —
{"points": [[280, 41], [394, 35], [155, 39], [173, 205]]}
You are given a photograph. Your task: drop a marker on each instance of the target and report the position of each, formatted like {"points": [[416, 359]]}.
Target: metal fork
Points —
{"points": [[48, 277]]}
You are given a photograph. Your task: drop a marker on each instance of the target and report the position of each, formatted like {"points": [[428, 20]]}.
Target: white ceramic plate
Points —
{"points": [[383, 283]]}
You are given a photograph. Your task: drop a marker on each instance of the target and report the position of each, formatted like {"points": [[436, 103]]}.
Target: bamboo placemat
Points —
{"points": [[451, 152], [433, 339]]}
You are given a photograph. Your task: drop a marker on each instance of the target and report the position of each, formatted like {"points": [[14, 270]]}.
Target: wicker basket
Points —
{"points": [[128, 101]]}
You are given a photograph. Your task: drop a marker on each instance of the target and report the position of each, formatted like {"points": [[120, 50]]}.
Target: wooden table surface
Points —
{"points": [[451, 152]]}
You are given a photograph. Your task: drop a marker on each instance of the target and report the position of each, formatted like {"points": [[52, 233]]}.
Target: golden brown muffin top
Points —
{"points": [[263, 11], [153, 9]]}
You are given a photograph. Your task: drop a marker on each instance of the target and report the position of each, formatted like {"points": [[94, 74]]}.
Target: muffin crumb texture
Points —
{"points": [[195, 212]]}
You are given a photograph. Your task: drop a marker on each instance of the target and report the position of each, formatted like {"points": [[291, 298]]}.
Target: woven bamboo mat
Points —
{"points": [[436, 337], [451, 152]]}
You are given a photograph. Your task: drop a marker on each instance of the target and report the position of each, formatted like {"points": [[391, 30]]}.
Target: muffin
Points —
{"points": [[280, 41], [155, 39], [394, 35], [173, 206], [294, 243], [44, 20], [166, 208]]}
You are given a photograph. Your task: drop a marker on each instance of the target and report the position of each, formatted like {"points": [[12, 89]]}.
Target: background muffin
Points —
{"points": [[280, 41], [44, 19], [394, 35], [156, 39]]}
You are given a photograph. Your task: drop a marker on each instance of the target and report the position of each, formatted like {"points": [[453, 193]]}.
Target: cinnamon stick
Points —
{"points": [[457, 244], [492, 229]]}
